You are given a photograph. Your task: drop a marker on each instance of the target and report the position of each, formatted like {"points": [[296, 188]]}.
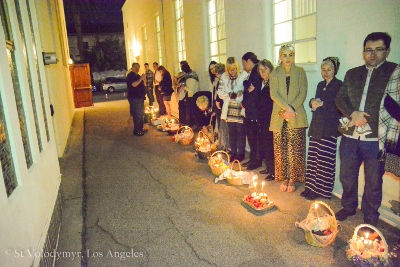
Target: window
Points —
{"points": [[7, 165], [180, 30], [295, 22], [32, 36], [29, 52], [144, 42], [158, 38], [216, 20]]}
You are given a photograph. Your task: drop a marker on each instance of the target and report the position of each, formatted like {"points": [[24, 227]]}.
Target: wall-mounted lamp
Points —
{"points": [[49, 58], [137, 48]]}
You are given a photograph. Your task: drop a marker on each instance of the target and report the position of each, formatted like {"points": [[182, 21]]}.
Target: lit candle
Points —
{"points": [[255, 188], [316, 210], [262, 188]]}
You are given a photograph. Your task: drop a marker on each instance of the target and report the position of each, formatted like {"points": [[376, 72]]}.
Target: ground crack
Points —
{"points": [[110, 234], [190, 245]]}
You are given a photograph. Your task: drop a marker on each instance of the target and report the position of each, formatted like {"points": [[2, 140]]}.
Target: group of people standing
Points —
{"points": [[266, 105]]}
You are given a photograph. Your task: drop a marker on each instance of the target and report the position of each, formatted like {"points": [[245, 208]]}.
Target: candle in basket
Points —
{"points": [[262, 189], [255, 187]]}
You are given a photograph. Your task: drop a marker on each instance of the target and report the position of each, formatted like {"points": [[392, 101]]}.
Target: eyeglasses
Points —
{"points": [[376, 51]]}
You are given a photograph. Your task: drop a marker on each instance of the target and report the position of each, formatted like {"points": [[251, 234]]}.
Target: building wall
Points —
{"points": [[341, 28], [26, 214], [52, 35]]}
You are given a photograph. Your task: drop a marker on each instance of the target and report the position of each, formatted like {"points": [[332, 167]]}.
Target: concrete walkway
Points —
{"points": [[146, 201]]}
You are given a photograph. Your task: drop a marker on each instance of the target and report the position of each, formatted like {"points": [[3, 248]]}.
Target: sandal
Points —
{"points": [[291, 188], [284, 186]]}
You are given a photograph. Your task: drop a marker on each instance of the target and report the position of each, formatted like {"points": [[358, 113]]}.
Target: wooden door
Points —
{"points": [[81, 85]]}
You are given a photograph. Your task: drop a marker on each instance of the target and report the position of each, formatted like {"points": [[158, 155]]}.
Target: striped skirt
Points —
{"points": [[321, 166], [290, 154]]}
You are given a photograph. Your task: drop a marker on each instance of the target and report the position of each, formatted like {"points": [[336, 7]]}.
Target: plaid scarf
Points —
{"points": [[388, 129]]}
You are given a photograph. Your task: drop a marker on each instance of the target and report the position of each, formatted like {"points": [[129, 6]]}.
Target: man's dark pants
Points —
{"points": [[137, 112], [353, 153], [160, 101], [251, 128], [150, 96]]}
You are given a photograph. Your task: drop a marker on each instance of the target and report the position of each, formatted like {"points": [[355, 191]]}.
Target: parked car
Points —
{"points": [[112, 84]]}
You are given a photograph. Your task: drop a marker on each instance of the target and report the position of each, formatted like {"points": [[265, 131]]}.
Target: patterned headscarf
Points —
{"points": [[334, 61], [285, 47]]}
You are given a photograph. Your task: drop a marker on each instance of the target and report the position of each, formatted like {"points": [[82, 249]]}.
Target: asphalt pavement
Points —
{"points": [[147, 201]]}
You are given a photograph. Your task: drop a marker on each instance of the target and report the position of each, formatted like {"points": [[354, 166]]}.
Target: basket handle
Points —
{"points": [[326, 206], [184, 127], [238, 162], [220, 151], [376, 230]]}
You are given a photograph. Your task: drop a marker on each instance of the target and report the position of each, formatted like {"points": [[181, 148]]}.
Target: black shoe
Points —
{"points": [[311, 196], [139, 134], [270, 177], [342, 214], [305, 193], [246, 163], [254, 165], [371, 222], [264, 171], [240, 157]]}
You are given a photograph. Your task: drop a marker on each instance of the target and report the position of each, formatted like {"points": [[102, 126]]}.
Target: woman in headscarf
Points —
{"points": [[288, 84], [323, 133]]}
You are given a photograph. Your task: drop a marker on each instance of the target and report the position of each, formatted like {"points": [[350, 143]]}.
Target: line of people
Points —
{"points": [[265, 105]]}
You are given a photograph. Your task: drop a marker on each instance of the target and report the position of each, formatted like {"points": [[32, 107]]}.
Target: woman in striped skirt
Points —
{"points": [[321, 161]]}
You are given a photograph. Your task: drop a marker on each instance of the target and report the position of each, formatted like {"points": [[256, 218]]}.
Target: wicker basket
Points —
{"points": [[362, 253], [205, 154], [187, 140], [216, 162], [233, 180], [314, 218], [166, 123]]}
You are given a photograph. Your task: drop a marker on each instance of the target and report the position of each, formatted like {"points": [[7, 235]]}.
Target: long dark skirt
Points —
{"points": [[321, 166]]}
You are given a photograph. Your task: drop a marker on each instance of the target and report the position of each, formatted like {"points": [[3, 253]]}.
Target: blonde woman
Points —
{"points": [[230, 90], [288, 85]]}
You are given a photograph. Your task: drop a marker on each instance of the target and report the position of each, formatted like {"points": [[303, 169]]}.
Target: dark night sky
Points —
{"points": [[97, 16]]}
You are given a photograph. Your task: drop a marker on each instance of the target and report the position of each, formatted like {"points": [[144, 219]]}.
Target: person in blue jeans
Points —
{"points": [[136, 96], [359, 100]]}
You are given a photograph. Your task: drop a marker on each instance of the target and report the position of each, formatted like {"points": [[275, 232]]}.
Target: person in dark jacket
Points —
{"points": [[166, 88], [136, 96], [252, 87], [264, 106], [359, 99], [323, 133]]}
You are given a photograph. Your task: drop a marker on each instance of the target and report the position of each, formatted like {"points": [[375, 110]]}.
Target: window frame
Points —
{"points": [[294, 18], [219, 28]]}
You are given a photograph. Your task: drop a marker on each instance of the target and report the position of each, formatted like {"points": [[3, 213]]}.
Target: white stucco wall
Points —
{"points": [[26, 213], [342, 26]]}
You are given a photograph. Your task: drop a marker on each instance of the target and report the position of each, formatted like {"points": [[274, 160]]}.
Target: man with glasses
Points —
{"points": [[359, 100]]}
